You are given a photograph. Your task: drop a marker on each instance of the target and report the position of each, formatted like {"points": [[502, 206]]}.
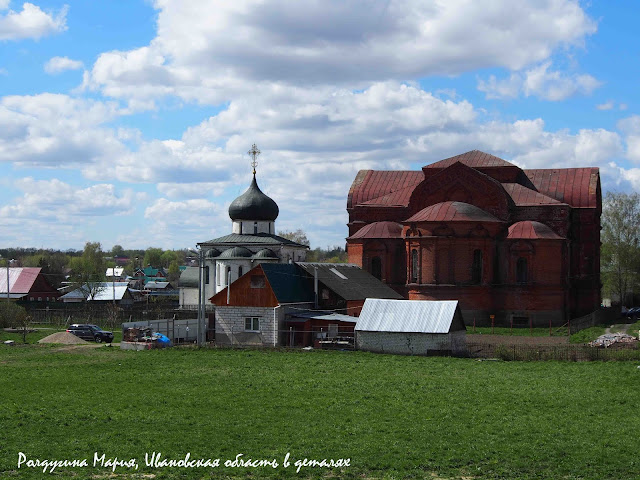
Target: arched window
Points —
{"points": [[476, 268], [255, 228], [376, 267], [239, 271], [218, 274], [206, 275], [227, 279], [414, 266], [521, 271]]}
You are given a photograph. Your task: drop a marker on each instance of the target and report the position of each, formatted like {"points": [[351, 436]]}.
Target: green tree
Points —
{"points": [[168, 257], [152, 257], [620, 253], [88, 270], [11, 314], [117, 251], [173, 274], [298, 236]]}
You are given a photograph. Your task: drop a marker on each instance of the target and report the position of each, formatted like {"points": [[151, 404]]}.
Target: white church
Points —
{"points": [[252, 241]]}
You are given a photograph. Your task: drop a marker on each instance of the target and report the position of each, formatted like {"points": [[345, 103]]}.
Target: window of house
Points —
{"points": [[414, 266], [257, 281], [376, 267], [252, 324], [521, 271], [476, 267]]}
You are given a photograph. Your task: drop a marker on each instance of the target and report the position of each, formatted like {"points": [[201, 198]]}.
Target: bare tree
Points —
{"points": [[620, 254]]}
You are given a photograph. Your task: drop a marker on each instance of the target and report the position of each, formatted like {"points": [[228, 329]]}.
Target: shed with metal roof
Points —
{"points": [[411, 327]]}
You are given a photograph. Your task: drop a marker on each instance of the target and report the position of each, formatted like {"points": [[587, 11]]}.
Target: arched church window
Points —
{"points": [[218, 274], [376, 267], [206, 275], [476, 267], [521, 271], [228, 276], [414, 266], [239, 271], [255, 228]]}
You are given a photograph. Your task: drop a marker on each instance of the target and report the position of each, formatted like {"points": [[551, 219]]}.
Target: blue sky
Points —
{"points": [[128, 122]]}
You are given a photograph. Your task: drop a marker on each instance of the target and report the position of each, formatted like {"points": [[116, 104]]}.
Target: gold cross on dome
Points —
{"points": [[254, 152]]}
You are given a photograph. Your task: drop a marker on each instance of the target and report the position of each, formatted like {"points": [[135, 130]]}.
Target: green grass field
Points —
{"points": [[393, 416]]}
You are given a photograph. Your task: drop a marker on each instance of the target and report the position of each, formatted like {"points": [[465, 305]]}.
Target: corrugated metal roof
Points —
{"points": [[532, 230], [379, 230], [452, 212], [107, 293], [21, 279], [407, 316]]}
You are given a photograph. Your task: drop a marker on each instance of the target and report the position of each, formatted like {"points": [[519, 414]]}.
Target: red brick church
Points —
{"points": [[523, 245]]}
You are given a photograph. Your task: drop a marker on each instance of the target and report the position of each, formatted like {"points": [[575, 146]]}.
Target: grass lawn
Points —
{"points": [[520, 331], [393, 416]]}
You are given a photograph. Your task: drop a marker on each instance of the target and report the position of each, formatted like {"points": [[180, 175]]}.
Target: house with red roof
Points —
{"points": [[521, 245], [28, 284]]}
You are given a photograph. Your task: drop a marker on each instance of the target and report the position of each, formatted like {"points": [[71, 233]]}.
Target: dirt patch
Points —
{"points": [[64, 338]]}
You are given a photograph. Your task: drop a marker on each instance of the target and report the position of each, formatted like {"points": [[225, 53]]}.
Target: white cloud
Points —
{"points": [[540, 82], [609, 105], [60, 64], [204, 50], [31, 22], [4, 4], [54, 199], [53, 130]]}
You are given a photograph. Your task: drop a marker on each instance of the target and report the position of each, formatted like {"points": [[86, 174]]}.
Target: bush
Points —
{"points": [[11, 314]]}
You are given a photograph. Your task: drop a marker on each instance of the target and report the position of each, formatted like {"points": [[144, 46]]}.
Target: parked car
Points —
{"points": [[92, 333], [633, 312]]}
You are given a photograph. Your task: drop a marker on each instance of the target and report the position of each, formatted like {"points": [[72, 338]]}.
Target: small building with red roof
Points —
{"points": [[26, 284], [522, 245]]}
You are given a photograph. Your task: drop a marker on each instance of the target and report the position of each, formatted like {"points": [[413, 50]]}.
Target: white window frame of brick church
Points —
{"points": [[252, 324]]}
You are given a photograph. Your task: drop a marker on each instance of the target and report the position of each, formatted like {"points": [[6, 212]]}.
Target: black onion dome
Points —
{"points": [[253, 205], [212, 253]]}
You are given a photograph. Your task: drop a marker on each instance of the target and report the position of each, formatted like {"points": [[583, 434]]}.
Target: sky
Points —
{"points": [[128, 122]]}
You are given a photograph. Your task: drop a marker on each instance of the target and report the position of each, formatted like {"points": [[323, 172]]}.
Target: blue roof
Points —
{"points": [[287, 283]]}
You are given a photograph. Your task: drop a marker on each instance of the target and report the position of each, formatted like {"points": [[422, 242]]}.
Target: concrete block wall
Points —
{"points": [[410, 343], [230, 323]]}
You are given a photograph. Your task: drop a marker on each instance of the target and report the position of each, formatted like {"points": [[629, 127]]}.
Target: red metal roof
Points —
{"points": [[379, 230], [474, 159], [531, 230], [522, 195], [370, 184], [577, 187], [20, 279], [452, 212]]}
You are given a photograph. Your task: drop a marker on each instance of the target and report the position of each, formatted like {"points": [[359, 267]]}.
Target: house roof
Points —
{"points": [[321, 315], [21, 280], [452, 212], [108, 292], [118, 271], [157, 285], [531, 230], [286, 283], [349, 281], [410, 316], [379, 230]]}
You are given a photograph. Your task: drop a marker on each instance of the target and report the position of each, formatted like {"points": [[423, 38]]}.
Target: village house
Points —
{"points": [[26, 284]]}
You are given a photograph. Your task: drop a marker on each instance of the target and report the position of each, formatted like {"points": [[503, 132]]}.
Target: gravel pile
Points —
{"points": [[64, 338]]}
